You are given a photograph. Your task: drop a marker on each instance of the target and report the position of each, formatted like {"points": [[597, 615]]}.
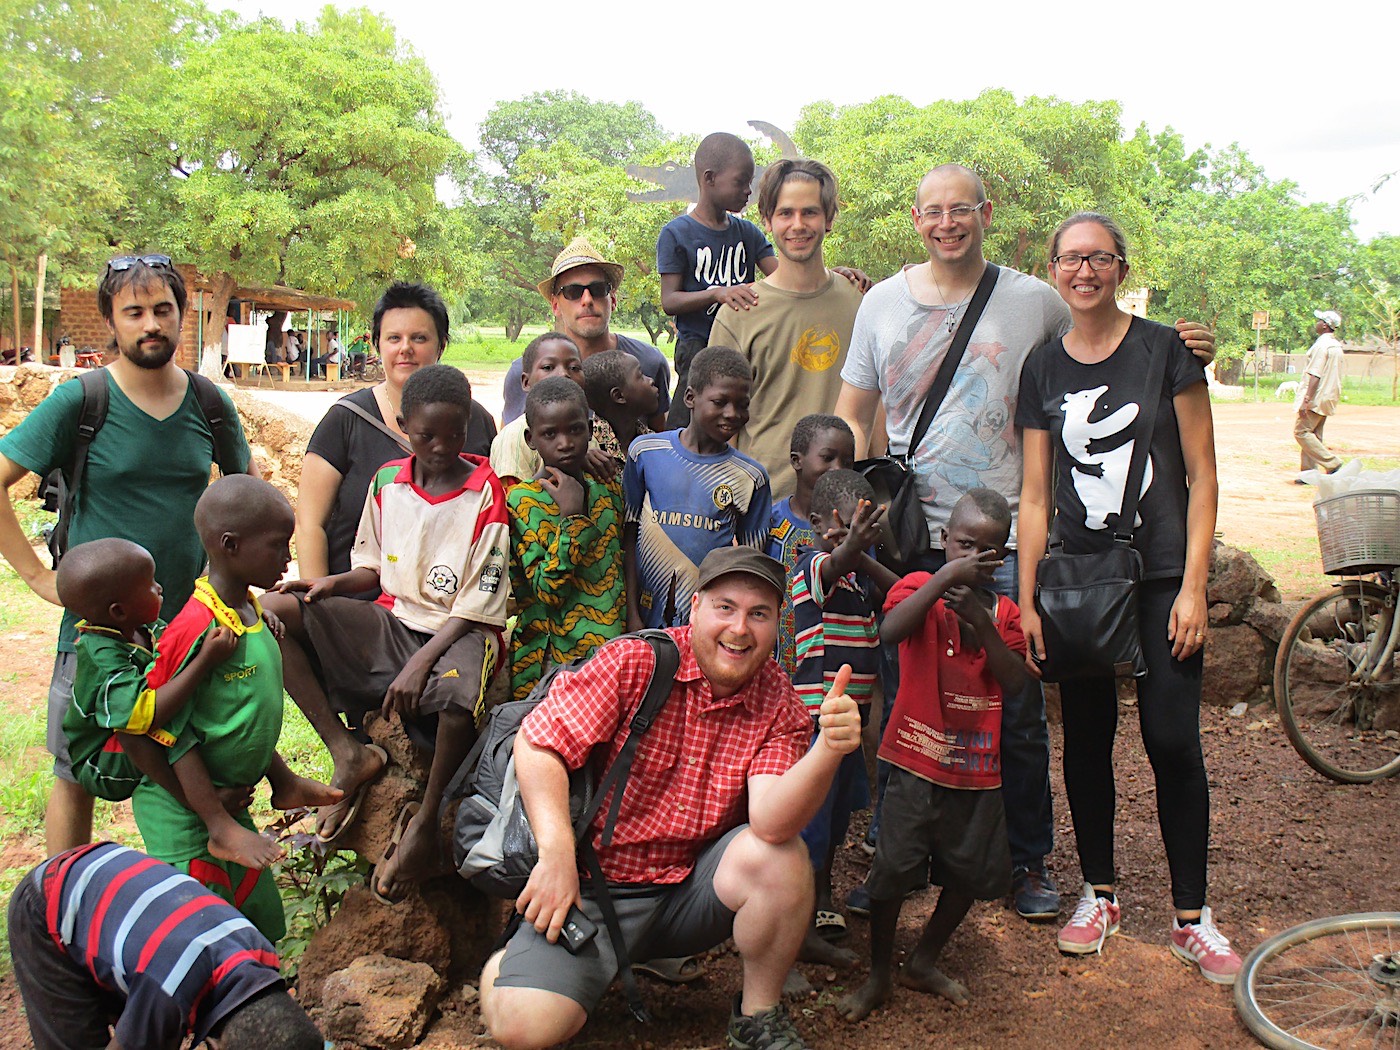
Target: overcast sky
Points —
{"points": [[1317, 103]]}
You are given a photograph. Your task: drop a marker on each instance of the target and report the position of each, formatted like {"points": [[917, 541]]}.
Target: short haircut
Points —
{"points": [[720, 151], [406, 295], [777, 175], [242, 504], [95, 575], [808, 427], [718, 362], [1120, 241], [989, 503], [271, 1020], [532, 349], [838, 489], [435, 385], [604, 371], [954, 169], [139, 275], [551, 391]]}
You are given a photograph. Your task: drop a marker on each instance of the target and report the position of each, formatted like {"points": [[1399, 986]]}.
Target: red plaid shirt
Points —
{"points": [[689, 778]]}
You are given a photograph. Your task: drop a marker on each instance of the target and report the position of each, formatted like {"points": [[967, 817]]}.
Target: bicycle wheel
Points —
{"points": [[1330, 983], [1344, 728]]}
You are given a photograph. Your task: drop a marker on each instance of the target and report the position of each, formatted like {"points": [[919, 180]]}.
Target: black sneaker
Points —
{"points": [[770, 1029], [1037, 899]]}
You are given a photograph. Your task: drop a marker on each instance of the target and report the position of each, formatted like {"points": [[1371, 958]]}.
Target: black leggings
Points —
{"points": [[1169, 705]]}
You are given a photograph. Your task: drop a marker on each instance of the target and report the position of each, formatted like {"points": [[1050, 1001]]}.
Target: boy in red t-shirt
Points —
{"points": [[943, 803]]}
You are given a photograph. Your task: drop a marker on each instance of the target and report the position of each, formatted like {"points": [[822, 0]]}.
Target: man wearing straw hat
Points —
{"points": [[582, 293]]}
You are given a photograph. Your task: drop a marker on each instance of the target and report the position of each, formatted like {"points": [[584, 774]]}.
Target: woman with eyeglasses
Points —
{"points": [[1078, 402]]}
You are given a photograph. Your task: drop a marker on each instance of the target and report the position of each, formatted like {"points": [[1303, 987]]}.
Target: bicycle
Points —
{"points": [[1336, 685], [1330, 983]]}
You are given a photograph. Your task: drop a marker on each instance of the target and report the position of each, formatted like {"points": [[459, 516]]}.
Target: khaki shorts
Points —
{"points": [[658, 922], [361, 647]]}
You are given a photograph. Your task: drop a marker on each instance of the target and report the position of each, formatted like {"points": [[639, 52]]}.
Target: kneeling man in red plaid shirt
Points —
{"points": [[707, 840]]}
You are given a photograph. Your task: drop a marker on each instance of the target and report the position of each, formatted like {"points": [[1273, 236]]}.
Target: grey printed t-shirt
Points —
{"points": [[896, 348]]}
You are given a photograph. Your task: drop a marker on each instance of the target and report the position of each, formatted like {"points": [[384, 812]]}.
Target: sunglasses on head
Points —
{"points": [[126, 262], [574, 292]]}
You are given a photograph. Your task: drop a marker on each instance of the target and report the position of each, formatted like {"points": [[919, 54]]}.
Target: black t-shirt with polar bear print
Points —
{"points": [[1090, 412]]}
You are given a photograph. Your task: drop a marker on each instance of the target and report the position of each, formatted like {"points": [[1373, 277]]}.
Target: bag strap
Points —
{"points": [[92, 413], [376, 423], [226, 451], [1142, 438], [944, 379], [663, 676]]}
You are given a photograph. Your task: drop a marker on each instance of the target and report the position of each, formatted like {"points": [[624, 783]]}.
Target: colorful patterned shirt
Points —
{"points": [[788, 535], [566, 576], [835, 626], [689, 780], [182, 958], [685, 505]]}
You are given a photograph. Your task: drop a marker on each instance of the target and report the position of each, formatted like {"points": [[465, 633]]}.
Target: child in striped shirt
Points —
{"points": [[836, 588]]}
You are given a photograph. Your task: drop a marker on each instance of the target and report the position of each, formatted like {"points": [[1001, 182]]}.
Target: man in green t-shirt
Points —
{"points": [[796, 335], [146, 469]]}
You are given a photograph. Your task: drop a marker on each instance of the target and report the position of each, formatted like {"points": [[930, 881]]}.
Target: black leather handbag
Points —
{"points": [[905, 528], [1088, 603]]}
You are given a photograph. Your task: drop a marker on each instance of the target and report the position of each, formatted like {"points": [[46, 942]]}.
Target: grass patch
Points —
{"points": [[1372, 391], [1294, 563], [487, 347]]}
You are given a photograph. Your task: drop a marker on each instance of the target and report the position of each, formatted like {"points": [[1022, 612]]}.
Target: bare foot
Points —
{"points": [[874, 992], [417, 857], [817, 949], [300, 792], [363, 764], [235, 799], [796, 986], [231, 841], [925, 977]]}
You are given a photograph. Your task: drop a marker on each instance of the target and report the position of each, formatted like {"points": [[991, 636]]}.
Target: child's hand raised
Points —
{"points": [[972, 570], [840, 716], [864, 530], [564, 489], [601, 465], [968, 606]]}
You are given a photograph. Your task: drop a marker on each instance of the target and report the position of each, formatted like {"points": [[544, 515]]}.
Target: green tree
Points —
{"points": [[62, 171], [1040, 159], [306, 157], [537, 153]]}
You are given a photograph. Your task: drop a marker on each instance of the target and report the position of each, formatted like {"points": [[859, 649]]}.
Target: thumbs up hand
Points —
{"points": [[840, 716]]}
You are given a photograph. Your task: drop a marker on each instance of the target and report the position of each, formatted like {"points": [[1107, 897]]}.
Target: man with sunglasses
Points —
{"points": [[146, 468], [582, 293], [903, 330]]}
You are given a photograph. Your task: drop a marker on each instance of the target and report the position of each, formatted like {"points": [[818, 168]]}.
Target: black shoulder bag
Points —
{"points": [[1088, 603], [892, 477]]}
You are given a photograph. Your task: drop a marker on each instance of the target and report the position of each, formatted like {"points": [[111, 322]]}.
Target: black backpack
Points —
{"points": [[492, 845], [59, 488]]}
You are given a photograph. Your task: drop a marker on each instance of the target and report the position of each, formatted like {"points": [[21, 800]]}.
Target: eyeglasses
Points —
{"points": [[574, 292], [126, 262], [1097, 260], [962, 211]]}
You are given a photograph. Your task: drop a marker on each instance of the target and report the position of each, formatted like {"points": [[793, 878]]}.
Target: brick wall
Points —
{"points": [[84, 323]]}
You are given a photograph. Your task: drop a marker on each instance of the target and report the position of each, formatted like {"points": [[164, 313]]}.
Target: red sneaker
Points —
{"points": [[1201, 943], [1095, 919]]}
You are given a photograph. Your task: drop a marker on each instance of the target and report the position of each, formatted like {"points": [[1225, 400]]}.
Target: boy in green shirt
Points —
{"points": [[566, 541]]}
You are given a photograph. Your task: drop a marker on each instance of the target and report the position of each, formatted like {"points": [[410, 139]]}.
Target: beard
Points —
{"points": [[155, 353]]}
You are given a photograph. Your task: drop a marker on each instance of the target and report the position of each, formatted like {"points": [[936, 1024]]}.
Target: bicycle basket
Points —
{"points": [[1359, 532]]}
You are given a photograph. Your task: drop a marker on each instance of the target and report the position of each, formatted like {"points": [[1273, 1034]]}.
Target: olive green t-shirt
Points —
{"points": [[142, 480], [796, 343]]}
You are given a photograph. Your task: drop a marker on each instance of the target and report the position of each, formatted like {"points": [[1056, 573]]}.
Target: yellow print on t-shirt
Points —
{"points": [[818, 349]]}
